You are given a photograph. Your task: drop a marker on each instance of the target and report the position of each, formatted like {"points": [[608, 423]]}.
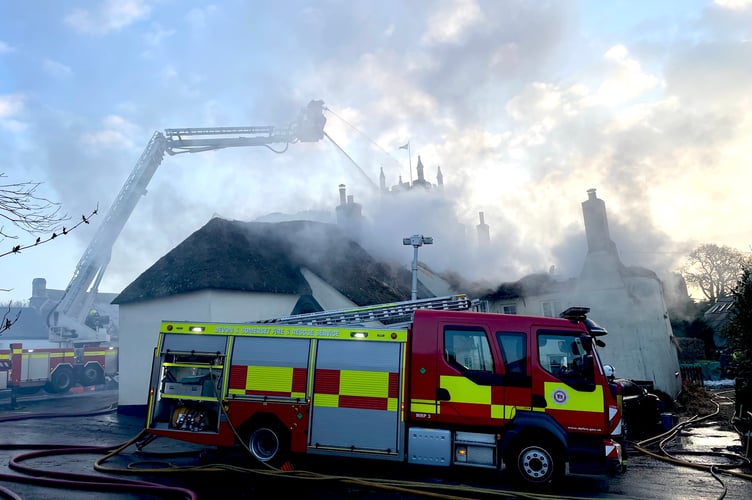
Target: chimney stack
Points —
{"points": [[596, 224], [484, 236]]}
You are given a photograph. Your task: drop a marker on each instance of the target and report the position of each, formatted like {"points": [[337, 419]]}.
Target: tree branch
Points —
{"points": [[6, 322], [20, 205]]}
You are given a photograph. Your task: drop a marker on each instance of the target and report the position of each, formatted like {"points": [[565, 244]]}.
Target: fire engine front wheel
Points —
{"points": [[536, 462], [268, 444]]}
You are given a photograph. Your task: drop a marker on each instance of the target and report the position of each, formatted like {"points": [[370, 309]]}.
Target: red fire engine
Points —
{"points": [[27, 370], [453, 387]]}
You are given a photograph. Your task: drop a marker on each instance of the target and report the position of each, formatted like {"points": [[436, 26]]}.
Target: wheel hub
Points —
{"points": [[535, 463], [264, 444]]}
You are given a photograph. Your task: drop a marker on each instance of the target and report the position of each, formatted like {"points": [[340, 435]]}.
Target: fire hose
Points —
{"points": [[736, 461], [68, 480]]}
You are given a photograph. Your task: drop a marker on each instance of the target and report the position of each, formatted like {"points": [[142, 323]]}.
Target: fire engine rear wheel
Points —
{"points": [[60, 381], [268, 444], [91, 374], [536, 462]]}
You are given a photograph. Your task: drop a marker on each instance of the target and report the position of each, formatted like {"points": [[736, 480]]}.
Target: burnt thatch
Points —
{"points": [[268, 257], [530, 285]]}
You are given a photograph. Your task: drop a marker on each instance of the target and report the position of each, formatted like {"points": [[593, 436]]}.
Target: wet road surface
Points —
{"points": [[646, 477]]}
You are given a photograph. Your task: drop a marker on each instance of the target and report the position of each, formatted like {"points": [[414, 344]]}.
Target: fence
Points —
{"points": [[692, 374]]}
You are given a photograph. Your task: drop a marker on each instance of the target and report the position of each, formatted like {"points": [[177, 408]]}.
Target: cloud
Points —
{"points": [[5, 48], [521, 107], [734, 4], [157, 35], [450, 23], [116, 133], [625, 78], [111, 15], [56, 69], [11, 105]]}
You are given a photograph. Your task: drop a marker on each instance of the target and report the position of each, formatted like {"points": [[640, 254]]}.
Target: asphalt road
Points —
{"points": [[30, 427]]}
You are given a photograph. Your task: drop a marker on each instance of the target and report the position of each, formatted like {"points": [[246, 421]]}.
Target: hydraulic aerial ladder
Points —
{"points": [[391, 313], [67, 320]]}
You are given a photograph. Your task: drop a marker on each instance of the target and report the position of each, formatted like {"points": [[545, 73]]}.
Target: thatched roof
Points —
{"points": [[268, 257], [530, 285]]}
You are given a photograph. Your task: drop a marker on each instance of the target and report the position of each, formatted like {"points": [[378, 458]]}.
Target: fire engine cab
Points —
{"points": [[452, 387]]}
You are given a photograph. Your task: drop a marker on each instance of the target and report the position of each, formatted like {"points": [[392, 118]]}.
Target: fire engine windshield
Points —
{"points": [[564, 356]]}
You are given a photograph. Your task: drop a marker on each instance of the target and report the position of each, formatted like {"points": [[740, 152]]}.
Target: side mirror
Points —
{"points": [[609, 371]]}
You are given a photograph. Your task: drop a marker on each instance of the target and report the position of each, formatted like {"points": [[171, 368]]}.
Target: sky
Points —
{"points": [[523, 105]]}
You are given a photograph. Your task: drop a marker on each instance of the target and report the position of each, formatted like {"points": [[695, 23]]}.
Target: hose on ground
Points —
{"points": [[68, 480], [738, 461]]}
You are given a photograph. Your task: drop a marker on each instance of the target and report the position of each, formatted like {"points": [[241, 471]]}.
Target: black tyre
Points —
{"points": [[536, 462], [268, 443], [91, 374], [61, 380]]}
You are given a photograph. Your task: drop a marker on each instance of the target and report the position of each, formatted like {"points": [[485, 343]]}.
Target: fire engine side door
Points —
{"points": [[565, 386], [470, 388], [515, 357]]}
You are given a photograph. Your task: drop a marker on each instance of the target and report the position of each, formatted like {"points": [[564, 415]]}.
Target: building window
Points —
{"points": [[551, 308], [509, 309]]}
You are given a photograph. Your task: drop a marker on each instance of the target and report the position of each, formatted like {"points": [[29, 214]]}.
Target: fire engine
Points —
{"points": [[28, 370], [451, 387]]}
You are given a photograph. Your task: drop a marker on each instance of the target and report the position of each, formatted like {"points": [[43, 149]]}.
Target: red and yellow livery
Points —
{"points": [[452, 388]]}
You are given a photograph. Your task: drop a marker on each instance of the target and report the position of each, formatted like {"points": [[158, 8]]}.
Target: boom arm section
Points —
{"points": [[67, 321], [308, 128]]}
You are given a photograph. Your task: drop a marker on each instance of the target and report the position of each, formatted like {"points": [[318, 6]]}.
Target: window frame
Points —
{"points": [[482, 348]]}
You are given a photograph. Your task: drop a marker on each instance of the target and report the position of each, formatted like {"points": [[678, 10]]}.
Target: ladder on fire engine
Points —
{"points": [[390, 313]]}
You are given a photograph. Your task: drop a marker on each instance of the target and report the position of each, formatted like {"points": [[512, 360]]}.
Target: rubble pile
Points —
{"points": [[694, 400]]}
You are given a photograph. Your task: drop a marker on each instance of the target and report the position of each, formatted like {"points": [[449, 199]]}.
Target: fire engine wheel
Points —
{"points": [[535, 462], [268, 444], [91, 374], [60, 381]]}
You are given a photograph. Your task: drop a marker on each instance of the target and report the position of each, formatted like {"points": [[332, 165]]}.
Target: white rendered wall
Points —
{"points": [[639, 343], [139, 325]]}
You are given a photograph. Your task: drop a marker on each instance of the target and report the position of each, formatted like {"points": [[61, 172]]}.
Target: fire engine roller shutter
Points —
{"points": [[269, 367], [356, 395]]}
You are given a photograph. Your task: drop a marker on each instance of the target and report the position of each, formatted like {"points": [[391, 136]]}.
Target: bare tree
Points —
{"points": [[34, 215], [714, 269], [21, 206]]}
